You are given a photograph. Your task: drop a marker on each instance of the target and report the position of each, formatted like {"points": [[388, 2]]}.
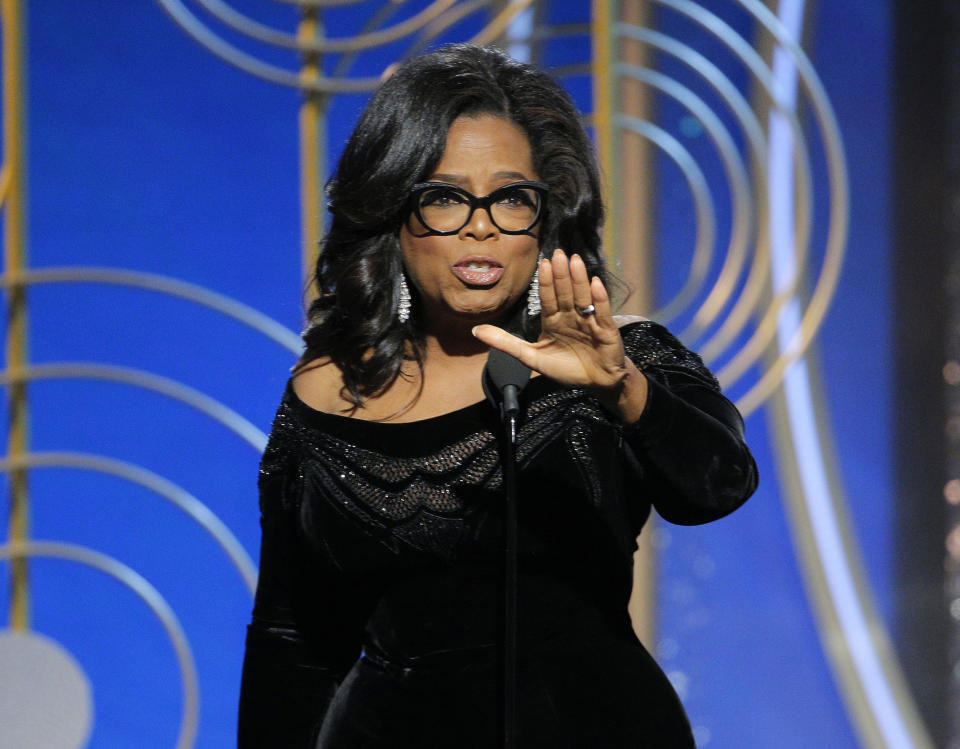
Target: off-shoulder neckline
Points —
{"points": [[479, 410], [537, 387]]}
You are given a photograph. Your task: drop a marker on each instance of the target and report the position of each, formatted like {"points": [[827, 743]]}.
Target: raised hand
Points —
{"points": [[576, 348]]}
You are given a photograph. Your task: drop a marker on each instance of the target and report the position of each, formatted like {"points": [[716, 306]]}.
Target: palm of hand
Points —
{"points": [[577, 352], [574, 349]]}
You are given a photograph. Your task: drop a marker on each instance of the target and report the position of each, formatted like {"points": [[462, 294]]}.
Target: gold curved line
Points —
{"points": [[375, 21], [149, 595], [826, 121], [405, 28], [849, 678], [176, 495], [848, 675], [134, 377], [737, 176], [751, 297], [249, 64], [826, 284], [800, 341], [824, 288], [725, 285], [733, 265], [730, 273], [4, 184], [499, 24], [256, 30], [439, 25], [699, 190], [175, 287], [814, 577], [766, 329]]}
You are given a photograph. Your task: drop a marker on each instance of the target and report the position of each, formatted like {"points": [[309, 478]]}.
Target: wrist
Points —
{"points": [[628, 397]]}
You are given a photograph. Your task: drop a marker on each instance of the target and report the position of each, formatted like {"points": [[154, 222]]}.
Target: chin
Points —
{"points": [[482, 312]]}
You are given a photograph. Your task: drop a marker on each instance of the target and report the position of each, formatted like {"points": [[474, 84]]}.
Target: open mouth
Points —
{"points": [[478, 271]]}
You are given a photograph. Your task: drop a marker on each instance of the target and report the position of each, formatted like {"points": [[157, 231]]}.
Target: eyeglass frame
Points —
{"points": [[541, 188]]}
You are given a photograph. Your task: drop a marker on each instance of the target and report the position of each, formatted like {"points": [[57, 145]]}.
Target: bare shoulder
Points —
{"points": [[622, 320], [317, 382]]}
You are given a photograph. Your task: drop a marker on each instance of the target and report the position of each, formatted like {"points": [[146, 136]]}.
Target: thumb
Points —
{"points": [[500, 339]]}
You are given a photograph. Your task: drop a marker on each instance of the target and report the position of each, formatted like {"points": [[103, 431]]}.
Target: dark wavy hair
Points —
{"points": [[398, 141]]}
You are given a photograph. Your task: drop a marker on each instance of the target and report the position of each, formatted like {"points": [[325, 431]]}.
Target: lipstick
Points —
{"points": [[478, 270]]}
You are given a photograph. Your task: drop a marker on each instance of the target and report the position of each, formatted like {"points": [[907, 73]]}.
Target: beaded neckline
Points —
{"points": [[310, 415]]}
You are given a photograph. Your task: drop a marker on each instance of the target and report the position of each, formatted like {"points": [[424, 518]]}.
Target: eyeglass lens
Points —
{"points": [[512, 208]]}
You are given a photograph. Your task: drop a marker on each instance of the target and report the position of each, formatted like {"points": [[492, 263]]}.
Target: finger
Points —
{"points": [[580, 280], [548, 295], [563, 286], [601, 300], [498, 338]]}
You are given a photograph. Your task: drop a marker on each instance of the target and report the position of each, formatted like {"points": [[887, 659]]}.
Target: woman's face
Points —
{"points": [[477, 274]]}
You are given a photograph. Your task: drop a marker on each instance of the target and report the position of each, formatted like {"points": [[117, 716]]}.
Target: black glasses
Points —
{"points": [[446, 209]]}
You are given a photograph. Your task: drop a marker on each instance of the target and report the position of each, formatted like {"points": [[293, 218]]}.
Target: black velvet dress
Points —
{"points": [[377, 615]]}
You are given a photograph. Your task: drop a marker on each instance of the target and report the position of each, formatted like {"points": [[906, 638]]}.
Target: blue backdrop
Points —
{"points": [[148, 153]]}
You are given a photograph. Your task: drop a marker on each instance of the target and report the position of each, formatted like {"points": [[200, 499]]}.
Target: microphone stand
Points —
{"points": [[510, 396], [503, 379]]}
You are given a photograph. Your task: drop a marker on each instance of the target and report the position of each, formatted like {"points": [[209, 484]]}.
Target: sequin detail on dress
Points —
{"points": [[419, 502]]}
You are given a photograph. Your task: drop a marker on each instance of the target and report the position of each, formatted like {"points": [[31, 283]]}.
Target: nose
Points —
{"points": [[480, 226]]}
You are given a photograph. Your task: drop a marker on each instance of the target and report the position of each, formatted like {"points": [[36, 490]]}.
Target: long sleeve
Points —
{"points": [[302, 638], [689, 441]]}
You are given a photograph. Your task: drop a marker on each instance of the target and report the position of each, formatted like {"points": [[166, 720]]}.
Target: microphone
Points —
{"points": [[504, 377]]}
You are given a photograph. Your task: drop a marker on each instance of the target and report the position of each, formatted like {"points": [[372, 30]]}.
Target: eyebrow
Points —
{"points": [[456, 179]]}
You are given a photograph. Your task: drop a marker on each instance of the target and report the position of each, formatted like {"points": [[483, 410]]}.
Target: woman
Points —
{"points": [[377, 618]]}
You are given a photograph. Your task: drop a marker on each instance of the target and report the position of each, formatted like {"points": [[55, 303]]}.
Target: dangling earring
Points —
{"points": [[403, 300], [533, 293]]}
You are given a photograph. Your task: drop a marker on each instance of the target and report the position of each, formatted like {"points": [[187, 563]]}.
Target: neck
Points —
{"points": [[448, 335], [453, 339]]}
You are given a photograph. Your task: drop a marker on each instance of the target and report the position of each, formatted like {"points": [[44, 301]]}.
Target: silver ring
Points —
{"points": [[585, 311]]}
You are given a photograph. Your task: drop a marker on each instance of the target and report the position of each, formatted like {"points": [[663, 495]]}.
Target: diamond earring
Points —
{"points": [[403, 300], [533, 293]]}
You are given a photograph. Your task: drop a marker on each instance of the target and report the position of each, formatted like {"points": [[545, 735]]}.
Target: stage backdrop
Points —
{"points": [[163, 240]]}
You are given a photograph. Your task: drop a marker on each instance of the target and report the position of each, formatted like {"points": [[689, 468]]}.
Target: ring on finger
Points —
{"points": [[586, 311]]}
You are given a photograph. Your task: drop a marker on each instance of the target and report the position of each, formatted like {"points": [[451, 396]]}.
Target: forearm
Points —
{"points": [[303, 637], [690, 445], [284, 692]]}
